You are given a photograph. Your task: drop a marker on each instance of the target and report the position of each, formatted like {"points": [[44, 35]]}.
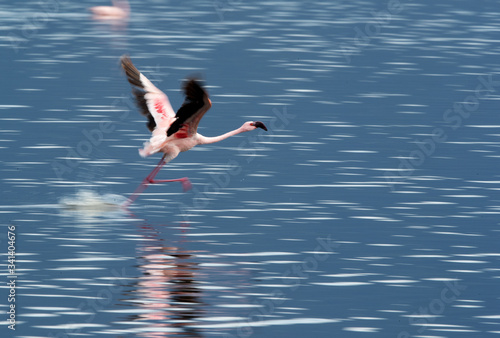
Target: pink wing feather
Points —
{"points": [[154, 104]]}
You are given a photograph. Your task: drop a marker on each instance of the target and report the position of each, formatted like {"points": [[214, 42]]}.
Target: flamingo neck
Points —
{"points": [[209, 140]]}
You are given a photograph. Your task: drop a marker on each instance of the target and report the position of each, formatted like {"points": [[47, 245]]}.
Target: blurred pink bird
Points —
{"points": [[173, 133], [119, 10]]}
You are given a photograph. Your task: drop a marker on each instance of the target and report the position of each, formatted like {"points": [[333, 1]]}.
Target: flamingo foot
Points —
{"points": [[186, 183]]}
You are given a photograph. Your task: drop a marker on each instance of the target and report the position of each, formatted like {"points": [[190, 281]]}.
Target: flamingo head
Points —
{"points": [[252, 125]]}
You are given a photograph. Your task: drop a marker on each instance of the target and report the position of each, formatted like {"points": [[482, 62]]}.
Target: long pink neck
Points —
{"points": [[208, 140]]}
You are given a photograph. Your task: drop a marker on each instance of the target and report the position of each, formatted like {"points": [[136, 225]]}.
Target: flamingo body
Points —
{"points": [[173, 133], [119, 10]]}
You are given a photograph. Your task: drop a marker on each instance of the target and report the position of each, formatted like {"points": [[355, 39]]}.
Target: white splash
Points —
{"points": [[91, 201]]}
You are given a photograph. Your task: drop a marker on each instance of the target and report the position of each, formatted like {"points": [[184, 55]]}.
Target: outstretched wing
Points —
{"points": [[152, 102], [195, 105]]}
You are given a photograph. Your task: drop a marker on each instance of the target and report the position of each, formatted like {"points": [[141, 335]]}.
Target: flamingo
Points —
{"points": [[119, 10], [172, 133]]}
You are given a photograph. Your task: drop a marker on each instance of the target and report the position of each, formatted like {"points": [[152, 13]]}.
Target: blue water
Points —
{"points": [[369, 209]]}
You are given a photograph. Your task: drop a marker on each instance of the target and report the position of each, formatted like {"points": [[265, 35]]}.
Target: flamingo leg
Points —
{"points": [[155, 171], [186, 184]]}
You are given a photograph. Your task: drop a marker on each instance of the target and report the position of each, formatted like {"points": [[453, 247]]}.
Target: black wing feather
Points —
{"points": [[194, 101], [133, 76]]}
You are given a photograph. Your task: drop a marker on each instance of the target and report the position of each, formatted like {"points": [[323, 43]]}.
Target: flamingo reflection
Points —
{"points": [[166, 290]]}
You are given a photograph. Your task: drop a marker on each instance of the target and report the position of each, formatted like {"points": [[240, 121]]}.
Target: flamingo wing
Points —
{"points": [[152, 102], [195, 105]]}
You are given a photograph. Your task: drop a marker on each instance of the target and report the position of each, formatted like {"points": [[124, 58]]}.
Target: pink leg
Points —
{"points": [[186, 184]]}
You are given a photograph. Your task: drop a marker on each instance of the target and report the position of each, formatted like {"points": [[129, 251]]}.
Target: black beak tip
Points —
{"points": [[259, 124]]}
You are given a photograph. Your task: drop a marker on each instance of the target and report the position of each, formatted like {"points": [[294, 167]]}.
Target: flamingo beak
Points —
{"points": [[258, 124]]}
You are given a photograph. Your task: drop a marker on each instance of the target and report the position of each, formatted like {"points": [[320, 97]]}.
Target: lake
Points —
{"points": [[368, 209]]}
